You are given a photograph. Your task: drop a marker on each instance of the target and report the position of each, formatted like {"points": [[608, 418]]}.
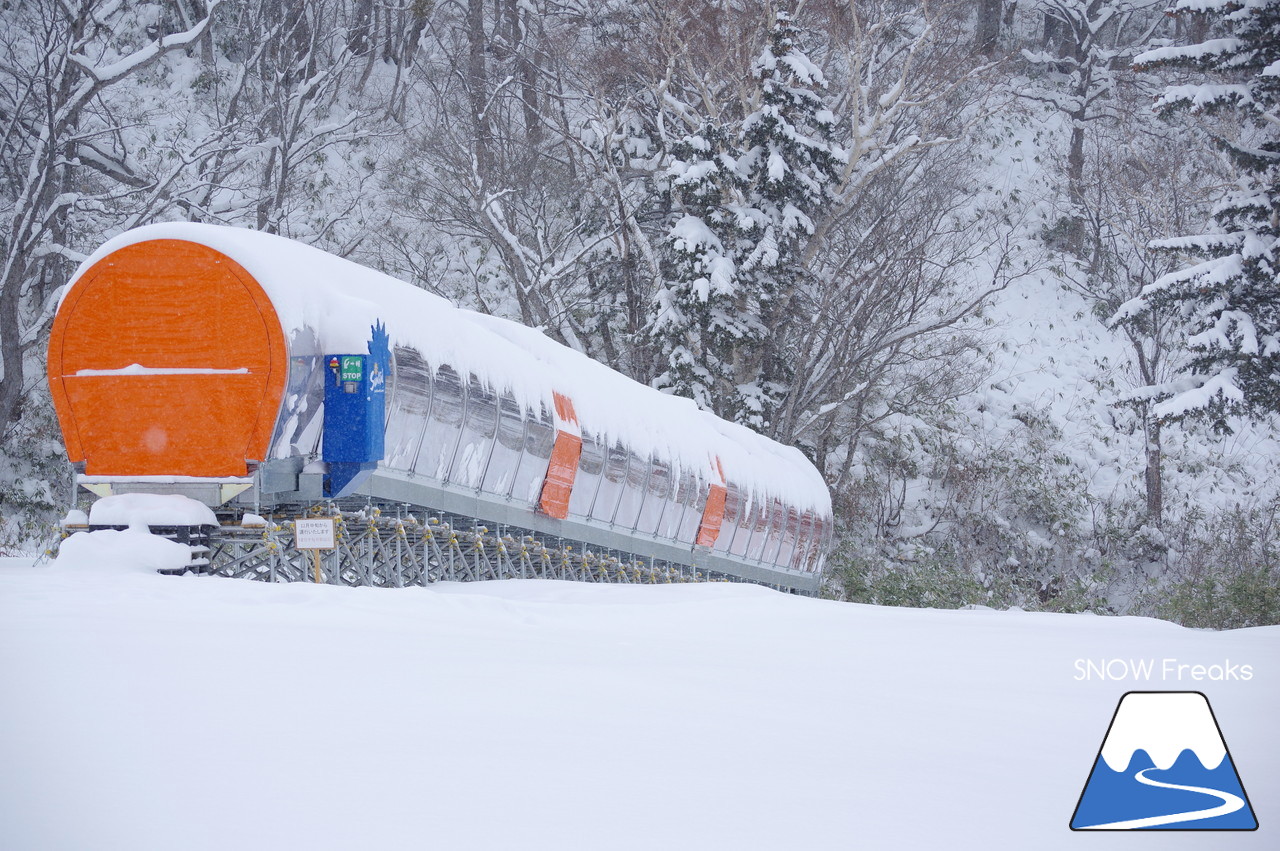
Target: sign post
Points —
{"points": [[314, 534]]}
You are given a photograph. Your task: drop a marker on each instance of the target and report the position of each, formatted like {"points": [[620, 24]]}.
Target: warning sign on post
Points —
{"points": [[314, 533]]}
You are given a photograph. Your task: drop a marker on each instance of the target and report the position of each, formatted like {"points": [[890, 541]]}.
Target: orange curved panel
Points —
{"points": [[167, 358], [563, 469], [712, 516], [561, 472]]}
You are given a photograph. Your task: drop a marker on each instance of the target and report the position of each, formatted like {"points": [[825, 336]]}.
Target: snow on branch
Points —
{"points": [[1202, 244], [51, 249], [1211, 273], [1221, 384], [1198, 97], [1187, 53], [105, 75]]}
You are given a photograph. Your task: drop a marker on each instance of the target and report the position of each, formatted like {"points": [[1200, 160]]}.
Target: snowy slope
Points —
{"points": [[1052, 355], [1039, 468], [147, 712], [1057, 358]]}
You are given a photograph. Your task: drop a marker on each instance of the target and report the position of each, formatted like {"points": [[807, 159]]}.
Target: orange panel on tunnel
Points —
{"points": [[167, 359]]}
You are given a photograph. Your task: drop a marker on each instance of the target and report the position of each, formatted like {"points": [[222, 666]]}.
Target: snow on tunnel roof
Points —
{"points": [[339, 301]]}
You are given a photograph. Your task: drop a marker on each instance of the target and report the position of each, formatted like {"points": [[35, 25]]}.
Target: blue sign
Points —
{"points": [[355, 395]]}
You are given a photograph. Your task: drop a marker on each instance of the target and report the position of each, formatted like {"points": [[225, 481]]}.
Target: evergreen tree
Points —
{"points": [[1230, 301], [747, 193], [790, 162], [695, 322]]}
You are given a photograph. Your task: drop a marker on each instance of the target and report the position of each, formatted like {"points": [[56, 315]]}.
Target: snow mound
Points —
{"points": [[149, 509], [607, 716], [133, 549]]}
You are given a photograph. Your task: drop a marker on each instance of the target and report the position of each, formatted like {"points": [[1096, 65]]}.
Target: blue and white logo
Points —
{"points": [[1164, 766]]}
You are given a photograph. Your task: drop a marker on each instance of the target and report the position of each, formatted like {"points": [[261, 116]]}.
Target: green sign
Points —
{"points": [[352, 367]]}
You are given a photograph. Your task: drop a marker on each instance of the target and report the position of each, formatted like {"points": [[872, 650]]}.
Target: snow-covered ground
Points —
{"points": [[149, 712]]}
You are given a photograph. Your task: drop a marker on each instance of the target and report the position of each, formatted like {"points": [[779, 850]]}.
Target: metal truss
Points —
{"points": [[380, 550]]}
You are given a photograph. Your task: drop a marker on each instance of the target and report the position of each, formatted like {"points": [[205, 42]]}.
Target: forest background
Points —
{"points": [[926, 242]]}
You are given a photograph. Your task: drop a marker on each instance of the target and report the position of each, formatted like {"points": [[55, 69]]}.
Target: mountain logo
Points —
{"points": [[1164, 765]]}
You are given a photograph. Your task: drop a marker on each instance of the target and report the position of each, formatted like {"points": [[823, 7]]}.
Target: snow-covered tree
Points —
{"points": [[1143, 182], [1086, 43], [747, 191], [70, 172], [698, 320], [293, 85], [495, 166], [885, 292], [990, 17], [1230, 301], [60, 154], [791, 163]]}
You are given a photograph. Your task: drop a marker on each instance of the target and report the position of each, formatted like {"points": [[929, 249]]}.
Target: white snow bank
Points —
{"points": [[133, 550], [149, 509], [553, 715], [339, 301]]}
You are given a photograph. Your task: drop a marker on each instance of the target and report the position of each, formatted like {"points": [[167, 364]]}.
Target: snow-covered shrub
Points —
{"points": [[941, 517], [1224, 571], [919, 577], [1017, 507], [1225, 598], [33, 477]]}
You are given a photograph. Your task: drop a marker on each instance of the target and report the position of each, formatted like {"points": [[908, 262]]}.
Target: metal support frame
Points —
{"points": [[375, 548]]}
